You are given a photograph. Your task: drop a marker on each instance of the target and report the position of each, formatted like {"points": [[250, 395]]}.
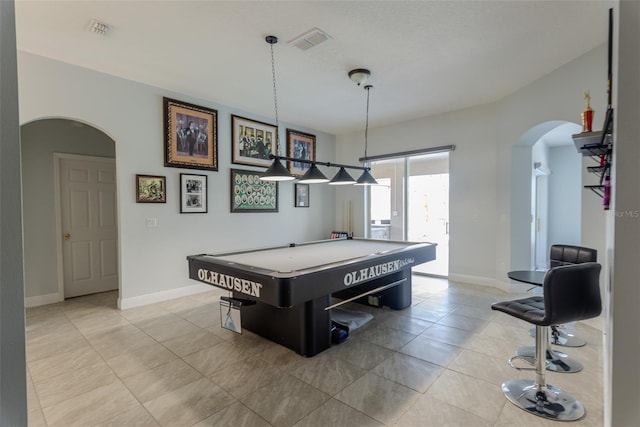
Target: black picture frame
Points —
{"points": [[252, 142], [301, 195], [193, 193]]}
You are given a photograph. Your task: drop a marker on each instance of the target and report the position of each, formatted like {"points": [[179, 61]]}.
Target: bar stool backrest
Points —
{"points": [[572, 293], [569, 254]]}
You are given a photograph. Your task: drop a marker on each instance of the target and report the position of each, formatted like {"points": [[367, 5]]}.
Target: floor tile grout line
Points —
{"points": [[391, 353]]}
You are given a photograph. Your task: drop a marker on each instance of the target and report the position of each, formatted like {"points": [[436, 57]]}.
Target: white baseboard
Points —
{"points": [[42, 300], [124, 303], [482, 281]]}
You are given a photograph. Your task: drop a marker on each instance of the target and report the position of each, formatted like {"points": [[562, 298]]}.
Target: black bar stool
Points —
{"points": [[567, 255], [570, 293]]}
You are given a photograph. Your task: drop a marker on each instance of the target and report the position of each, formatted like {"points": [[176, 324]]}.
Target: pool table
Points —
{"points": [[293, 285]]}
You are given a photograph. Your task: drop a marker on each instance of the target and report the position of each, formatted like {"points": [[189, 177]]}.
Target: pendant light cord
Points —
{"points": [[273, 41], [366, 126], [275, 92]]}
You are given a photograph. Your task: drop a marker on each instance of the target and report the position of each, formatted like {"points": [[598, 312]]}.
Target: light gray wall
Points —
{"points": [[565, 196], [153, 260], [492, 154], [623, 247], [40, 140], [529, 114], [473, 169], [13, 373]]}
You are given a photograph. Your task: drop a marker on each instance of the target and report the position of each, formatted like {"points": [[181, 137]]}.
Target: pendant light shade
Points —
{"points": [[277, 172], [342, 178], [313, 176], [366, 179]]}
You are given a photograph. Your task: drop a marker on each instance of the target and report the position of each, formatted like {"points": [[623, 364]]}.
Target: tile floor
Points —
{"points": [[437, 363]]}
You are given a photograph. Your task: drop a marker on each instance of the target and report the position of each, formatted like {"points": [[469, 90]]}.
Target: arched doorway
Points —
{"points": [[546, 193], [42, 143]]}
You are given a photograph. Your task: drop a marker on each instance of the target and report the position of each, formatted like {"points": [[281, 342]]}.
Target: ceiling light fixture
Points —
{"points": [[313, 174], [277, 172], [359, 75]]}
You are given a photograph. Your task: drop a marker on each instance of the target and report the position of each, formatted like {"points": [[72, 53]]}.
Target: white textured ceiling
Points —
{"points": [[426, 57]]}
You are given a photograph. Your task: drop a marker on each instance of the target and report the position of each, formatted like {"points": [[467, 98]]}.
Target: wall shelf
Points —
{"points": [[598, 189], [596, 169], [598, 146], [587, 139]]}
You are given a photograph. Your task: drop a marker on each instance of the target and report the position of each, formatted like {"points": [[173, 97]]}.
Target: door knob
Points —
{"points": [[66, 236]]}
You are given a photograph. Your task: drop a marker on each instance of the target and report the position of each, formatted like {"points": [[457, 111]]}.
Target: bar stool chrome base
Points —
{"points": [[544, 401], [561, 337], [581, 282], [557, 361]]}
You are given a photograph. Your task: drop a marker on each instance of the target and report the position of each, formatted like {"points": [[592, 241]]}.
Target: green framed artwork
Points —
{"points": [[250, 194]]}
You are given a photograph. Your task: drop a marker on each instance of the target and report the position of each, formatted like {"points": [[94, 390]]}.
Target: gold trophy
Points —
{"points": [[587, 114]]}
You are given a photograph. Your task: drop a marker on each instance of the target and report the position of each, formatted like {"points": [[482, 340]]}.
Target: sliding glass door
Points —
{"points": [[411, 203], [387, 200]]}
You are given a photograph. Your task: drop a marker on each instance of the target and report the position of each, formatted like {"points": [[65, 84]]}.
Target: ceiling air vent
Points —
{"points": [[100, 28], [310, 39]]}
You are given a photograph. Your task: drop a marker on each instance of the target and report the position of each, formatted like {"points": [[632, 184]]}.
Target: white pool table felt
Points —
{"points": [[304, 256]]}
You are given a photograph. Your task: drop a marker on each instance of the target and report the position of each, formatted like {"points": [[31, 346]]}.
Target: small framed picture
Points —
{"points": [[253, 142], [250, 194], [190, 136], [300, 145], [301, 199], [193, 193], [151, 189]]}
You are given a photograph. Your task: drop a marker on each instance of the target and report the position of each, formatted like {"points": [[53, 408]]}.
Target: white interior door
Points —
{"points": [[89, 226]]}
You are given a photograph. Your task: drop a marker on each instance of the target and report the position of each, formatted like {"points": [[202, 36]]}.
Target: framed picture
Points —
{"points": [[193, 193], [252, 142], [301, 199], [300, 145], [249, 194], [151, 189], [191, 136]]}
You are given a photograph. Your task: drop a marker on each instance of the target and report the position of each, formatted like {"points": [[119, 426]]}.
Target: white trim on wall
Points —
{"points": [[42, 300], [125, 303]]}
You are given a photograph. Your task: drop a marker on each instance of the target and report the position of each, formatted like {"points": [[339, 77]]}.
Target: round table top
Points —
{"points": [[528, 276]]}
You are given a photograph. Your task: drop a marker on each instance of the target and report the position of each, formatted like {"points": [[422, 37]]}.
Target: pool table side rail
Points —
{"points": [[288, 289]]}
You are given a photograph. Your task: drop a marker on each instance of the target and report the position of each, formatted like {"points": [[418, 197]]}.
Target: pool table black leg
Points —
{"points": [[399, 297], [304, 328]]}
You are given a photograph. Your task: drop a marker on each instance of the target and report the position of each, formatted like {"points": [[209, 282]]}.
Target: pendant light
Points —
{"points": [[366, 178], [276, 172], [313, 175], [342, 178]]}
